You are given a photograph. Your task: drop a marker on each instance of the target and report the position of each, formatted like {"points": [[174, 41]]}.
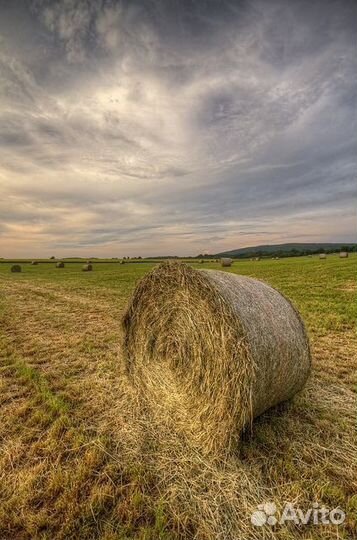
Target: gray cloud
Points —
{"points": [[171, 126]]}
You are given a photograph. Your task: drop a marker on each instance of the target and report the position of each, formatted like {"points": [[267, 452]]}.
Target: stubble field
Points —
{"points": [[74, 459]]}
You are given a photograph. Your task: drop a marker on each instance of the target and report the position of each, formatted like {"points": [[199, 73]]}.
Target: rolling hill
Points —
{"points": [[286, 249]]}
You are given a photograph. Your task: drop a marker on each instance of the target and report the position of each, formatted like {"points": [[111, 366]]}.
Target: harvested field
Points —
{"points": [[80, 460]]}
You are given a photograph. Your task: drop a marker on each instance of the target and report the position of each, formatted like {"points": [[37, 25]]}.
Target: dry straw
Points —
{"points": [[210, 350], [87, 268], [322, 256], [343, 254], [16, 268], [226, 262]]}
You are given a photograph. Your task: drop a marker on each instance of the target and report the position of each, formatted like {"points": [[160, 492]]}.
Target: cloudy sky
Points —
{"points": [[175, 126]]}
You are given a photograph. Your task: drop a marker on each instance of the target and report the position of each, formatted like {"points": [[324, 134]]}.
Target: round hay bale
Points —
{"points": [[87, 268], [16, 268], [343, 254], [60, 264], [34, 263], [322, 256], [226, 261], [212, 350]]}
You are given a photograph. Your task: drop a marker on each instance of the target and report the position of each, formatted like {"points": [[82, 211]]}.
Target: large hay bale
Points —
{"points": [[322, 256], [226, 261], [60, 264], [343, 254], [16, 268], [211, 350], [87, 268]]}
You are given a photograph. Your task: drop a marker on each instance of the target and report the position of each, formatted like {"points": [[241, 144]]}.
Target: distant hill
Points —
{"points": [[287, 250]]}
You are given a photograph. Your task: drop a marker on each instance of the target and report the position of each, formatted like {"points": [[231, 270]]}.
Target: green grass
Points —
{"points": [[321, 289]]}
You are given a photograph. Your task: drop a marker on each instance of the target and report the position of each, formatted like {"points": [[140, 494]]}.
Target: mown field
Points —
{"points": [[73, 462]]}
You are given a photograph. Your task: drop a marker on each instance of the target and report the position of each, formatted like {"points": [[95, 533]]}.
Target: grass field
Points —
{"points": [[73, 462]]}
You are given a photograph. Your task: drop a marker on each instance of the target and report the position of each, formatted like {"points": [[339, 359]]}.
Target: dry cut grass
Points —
{"points": [[80, 460]]}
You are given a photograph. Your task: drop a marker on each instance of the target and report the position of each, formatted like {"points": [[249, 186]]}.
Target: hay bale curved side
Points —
{"points": [[211, 350], [226, 262], [276, 335], [16, 268]]}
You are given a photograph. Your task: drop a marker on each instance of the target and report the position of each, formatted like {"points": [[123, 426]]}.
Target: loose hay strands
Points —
{"points": [[16, 268], [211, 350]]}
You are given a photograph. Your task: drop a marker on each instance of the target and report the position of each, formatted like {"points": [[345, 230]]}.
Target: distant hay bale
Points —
{"points": [[34, 263], [322, 256], [343, 254], [122, 262], [16, 268], [60, 264], [225, 261], [210, 350], [87, 268]]}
